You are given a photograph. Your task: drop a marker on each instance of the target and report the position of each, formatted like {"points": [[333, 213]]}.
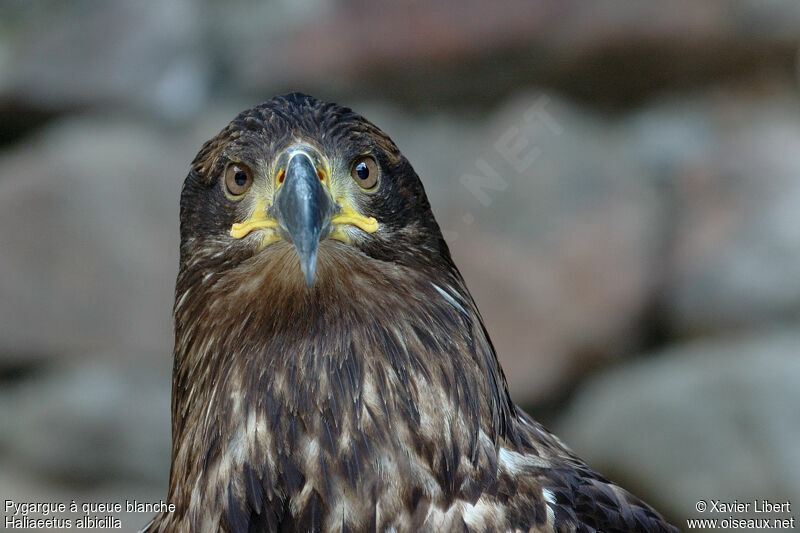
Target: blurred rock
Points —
{"points": [[716, 419], [90, 423], [556, 234], [727, 166], [469, 51], [146, 55], [169, 59], [18, 119], [89, 233]]}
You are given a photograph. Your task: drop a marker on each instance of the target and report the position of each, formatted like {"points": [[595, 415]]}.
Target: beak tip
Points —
{"points": [[309, 267]]}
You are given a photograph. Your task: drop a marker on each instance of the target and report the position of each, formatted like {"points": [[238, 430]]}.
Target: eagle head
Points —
{"points": [[299, 173]]}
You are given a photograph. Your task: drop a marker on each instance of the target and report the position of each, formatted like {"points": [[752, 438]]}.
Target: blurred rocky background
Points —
{"points": [[619, 183]]}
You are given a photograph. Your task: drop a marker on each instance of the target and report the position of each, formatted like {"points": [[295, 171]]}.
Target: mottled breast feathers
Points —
{"points": [[368, 400]]}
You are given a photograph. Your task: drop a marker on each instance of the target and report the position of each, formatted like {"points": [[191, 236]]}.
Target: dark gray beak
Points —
{"points": [[303, 210]]}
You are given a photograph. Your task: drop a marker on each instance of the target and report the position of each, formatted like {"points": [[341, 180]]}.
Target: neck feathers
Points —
{"points": [[303, 389]]}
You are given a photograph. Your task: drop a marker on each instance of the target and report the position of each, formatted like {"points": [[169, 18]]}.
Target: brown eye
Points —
{"points": [[365, 172], [237, 179]]}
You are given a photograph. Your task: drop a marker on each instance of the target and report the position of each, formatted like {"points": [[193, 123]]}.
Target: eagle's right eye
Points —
{"points": [[238, 179]]}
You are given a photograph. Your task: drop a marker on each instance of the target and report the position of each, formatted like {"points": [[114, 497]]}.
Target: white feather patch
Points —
{"points": [[452, 301]]}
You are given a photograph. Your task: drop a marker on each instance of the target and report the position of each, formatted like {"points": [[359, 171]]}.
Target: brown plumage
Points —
{"points": [[332, 372]]}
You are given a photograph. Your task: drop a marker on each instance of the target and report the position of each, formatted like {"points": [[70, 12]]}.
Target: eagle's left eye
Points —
{"points": [[365, 172], [238, 179]]}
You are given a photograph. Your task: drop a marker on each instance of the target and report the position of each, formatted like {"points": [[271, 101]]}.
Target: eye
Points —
{"points": [[365, 172], [237, 179]]}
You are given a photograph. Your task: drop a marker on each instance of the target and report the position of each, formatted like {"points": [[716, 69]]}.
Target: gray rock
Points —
{"points": [[556, 234], [89, 233], [714, 419], [728, 170], [90, 423], [146, 55]]}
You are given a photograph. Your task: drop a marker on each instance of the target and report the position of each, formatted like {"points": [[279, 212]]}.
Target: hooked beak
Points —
{"points": [[303, 209]]}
